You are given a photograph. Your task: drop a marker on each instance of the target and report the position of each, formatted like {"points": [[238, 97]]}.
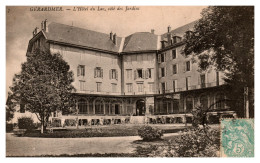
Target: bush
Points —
{"points": [[198, 142], [26, 123], [9, 127], [149, 133]]}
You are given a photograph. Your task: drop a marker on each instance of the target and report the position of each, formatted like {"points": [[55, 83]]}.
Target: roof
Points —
{"points": [[82, 37], [180, 31], [140, 41], [137, 42]]}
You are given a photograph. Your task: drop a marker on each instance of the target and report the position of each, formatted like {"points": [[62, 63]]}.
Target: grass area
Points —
{"points": [[100, 131]]}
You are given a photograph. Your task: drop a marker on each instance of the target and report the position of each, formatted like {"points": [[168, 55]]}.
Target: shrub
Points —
{"points": [[149, 133], [26, 123], [9, 127]]}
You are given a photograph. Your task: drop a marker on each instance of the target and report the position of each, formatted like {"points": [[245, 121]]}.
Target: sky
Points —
{"points": [[20, 22]]}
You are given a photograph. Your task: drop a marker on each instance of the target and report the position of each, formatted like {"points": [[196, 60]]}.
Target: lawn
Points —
{"points": [[101, 131]]}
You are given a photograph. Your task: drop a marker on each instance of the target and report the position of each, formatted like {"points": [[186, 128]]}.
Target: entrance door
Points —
{"points": [[140, 108], [117, 109]]}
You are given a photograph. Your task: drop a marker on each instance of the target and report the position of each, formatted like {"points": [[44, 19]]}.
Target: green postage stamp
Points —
{"points": [[237, 138]]}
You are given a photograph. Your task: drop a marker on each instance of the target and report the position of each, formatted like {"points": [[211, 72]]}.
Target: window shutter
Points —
{"points": [[159, 58], [101, 73], [78, 71], [116, 75], [164, 56], [143, 74], [190, 65], [83, 70], [147, 74], [165, 71], [110, 74], [95, 72], [184, 66], [135, 74], [160, 72]]}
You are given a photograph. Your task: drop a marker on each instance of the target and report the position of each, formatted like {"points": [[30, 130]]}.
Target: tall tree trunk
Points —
{"points": [[42, 127]]}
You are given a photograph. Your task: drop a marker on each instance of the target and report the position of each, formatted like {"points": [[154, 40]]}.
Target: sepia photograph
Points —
{"points": [[130, 81]]}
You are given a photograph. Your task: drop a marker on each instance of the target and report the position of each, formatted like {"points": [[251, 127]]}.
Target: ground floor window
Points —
{"points": [[220, 101], [99, 107], [204, 102], [189, 104], [82, 106]]}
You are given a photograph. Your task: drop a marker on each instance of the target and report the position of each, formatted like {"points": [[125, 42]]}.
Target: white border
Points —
{"points": [[123, 3]]}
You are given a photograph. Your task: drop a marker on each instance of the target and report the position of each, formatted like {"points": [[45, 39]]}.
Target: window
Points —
{"points": [[174, 69], [174, 85], [140, 73], [113, 74], [129, 87], [99, 87], [203, 80], [82, 85], [174, 55], [82, 106], [220, 101], [163, 87], [149, 73], [161, 57], [188, 66], [114, 87], [151, 87], [81, 70], [187, 82], [189, 104], [140, 87], [99, 107], [98, 72], [162, 72], [129, 74]]}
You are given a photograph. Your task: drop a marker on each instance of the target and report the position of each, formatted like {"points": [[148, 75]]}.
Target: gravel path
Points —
{"points": [[25, 146]]}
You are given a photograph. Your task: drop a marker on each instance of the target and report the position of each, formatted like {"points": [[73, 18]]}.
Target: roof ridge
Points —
{"points": [[83, 28]]}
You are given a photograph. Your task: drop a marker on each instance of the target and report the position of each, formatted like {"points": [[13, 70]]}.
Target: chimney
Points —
{"points": [[114, 39], [111, 35], [36, 30], [169, 38], [45, 25], [169, 29], [152, 31]]}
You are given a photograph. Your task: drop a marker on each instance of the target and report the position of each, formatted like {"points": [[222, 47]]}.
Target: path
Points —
{"points": [[27, 146]]}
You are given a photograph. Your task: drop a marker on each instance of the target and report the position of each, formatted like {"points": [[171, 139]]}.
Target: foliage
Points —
{"points": [[197, 142], [149, 133], [26, 123], [224, 38], [10, 108], [44, 85], [9, 127]]}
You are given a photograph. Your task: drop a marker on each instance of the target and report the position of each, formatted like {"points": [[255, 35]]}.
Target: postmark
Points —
{"points": [[237, 138]]}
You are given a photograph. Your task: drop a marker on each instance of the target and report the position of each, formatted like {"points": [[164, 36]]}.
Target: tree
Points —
{"points": [[224, 38], [44, 85], [9, 108]]}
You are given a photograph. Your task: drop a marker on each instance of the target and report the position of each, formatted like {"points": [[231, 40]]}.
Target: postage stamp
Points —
{"points": [[237, 138]]}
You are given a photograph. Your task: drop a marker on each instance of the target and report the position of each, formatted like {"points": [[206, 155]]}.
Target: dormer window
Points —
{"points": [[176, 39]]}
